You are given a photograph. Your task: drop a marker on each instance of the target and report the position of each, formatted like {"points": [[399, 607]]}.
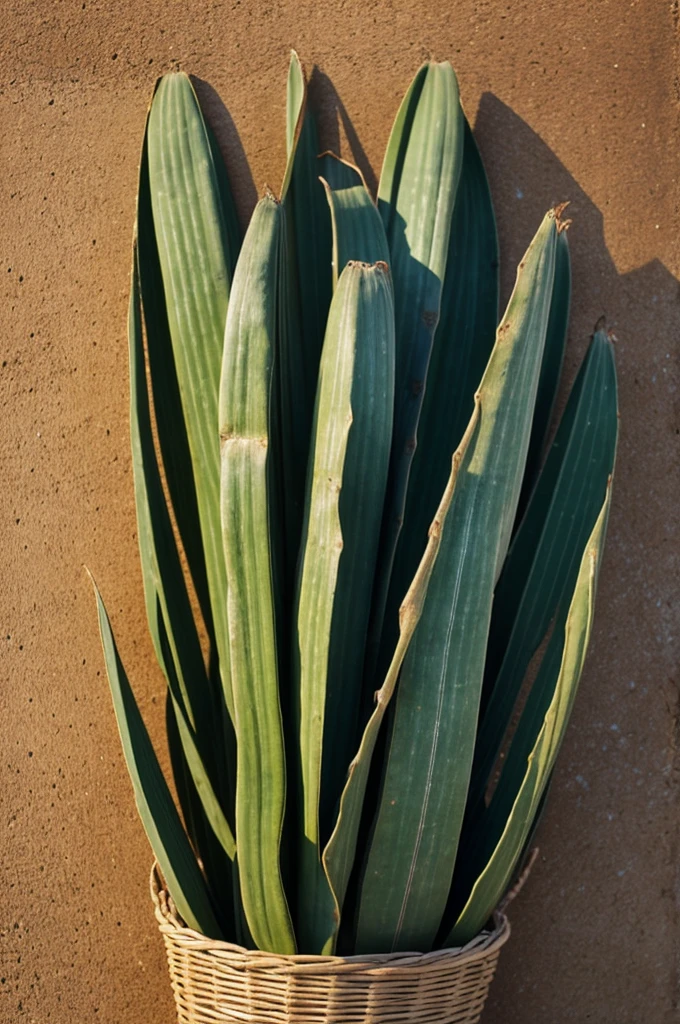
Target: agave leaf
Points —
{"points": [[217, 867], [345, 490], [186, 793], [538, 578], [340, 852], [305, 288], [497, 863], [310, 251], [196, 255], [358, 232], [551, 368], [339, 173], [416, 196], [296, 102], [542, 691], [312, 229], [171, 623], [232, 227], [247, 509], [462, 346], [159, 816], [293, 405], [168, 414], [410, 861], [156, 539], [199, 775]]}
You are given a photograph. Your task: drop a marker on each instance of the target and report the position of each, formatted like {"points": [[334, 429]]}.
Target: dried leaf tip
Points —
{"points": [[378, 265], [348, 163], [294, 55], [561, 223], [602, 327]]}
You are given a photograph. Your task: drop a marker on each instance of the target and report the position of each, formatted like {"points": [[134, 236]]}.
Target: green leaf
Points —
{"points": [[171, 622], [247, 510], [338, 173], [305, 289], [551, 367], [168, 414], [416, 195], [312, 230], [296, 101], [409, 866], [564, 663], [186, 792], [308, 208], [340, 852], [154, 803], [538, 578], [196, 255], [292, 397], [197, 769], [358, 232], [217, 867], [346, 482], [462, 346]]}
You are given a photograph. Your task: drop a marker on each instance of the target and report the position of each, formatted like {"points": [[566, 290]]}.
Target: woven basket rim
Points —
{"points": [[173, 927]]}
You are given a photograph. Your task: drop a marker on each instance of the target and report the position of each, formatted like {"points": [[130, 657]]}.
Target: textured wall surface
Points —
{"points": [[575, 101]]}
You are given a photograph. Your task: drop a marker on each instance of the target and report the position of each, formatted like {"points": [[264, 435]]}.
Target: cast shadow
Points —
{"points": [[238, 169], [330, 113], [642, 307], [526, 179]]}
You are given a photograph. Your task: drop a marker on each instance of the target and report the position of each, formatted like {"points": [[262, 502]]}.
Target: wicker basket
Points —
{"points": [[216, 982]]}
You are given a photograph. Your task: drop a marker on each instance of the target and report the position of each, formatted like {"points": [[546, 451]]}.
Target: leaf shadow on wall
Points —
{"points": [[238, 169], [642, 307], [331, 115]]}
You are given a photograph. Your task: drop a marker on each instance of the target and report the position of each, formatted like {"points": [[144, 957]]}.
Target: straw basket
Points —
{"points": [[216, 982]]}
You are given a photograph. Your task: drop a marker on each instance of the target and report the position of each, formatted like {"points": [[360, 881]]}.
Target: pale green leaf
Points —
{"points": [[248, 507], [408, 870]]}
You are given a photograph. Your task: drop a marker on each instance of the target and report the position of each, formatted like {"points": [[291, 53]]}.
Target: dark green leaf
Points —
{"points": [[462, 346], [538, 578], [490, 860], [416, 195], [159, 815]]}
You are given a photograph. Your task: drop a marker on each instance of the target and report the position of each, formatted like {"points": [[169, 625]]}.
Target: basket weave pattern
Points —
{"points": [[216, 982]]}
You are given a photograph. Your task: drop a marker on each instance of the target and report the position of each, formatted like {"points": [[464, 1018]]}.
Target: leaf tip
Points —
{"points": [[91, 578], [561, 223], [268, 194]]}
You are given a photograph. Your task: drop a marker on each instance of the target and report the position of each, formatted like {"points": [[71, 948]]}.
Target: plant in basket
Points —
{"points": [[369, 579]]}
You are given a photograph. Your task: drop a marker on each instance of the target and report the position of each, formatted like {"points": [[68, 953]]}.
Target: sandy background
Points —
{"points": [[575, 101]]}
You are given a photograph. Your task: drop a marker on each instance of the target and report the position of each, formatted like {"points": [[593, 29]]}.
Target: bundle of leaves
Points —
{"points": [[342, 482]]}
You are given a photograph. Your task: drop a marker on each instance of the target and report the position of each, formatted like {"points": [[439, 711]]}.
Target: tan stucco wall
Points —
{"points": [[576, 100]]}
